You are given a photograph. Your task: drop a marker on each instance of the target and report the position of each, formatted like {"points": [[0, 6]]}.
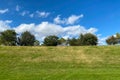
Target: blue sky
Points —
{"points": [[65, 18]]}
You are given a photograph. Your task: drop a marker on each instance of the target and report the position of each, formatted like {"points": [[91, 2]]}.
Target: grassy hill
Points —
{"points": [[60, 63]]}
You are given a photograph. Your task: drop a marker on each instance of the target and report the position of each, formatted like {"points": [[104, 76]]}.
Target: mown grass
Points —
{"points": [[60, 63]]}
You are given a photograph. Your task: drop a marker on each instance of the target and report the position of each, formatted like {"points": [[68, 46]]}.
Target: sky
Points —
{"points": [[63, 18]]}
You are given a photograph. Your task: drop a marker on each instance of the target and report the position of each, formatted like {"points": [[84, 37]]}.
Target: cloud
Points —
{"points": [[70, 20], [41, 30], [43, 14], [17, 8], [2, 11], [58, 20], [76, 30], [8, 21], [4, 25], [101, 40], [45, 28], [24, 13], [24, 27], [35, 14], [32, 15], [73, 18]]}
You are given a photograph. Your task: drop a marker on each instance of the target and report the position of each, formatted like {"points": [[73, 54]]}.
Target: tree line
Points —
{"points": [[11, 38]]}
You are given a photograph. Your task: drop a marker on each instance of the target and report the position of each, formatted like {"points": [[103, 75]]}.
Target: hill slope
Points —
{"points": [[60, 63]]}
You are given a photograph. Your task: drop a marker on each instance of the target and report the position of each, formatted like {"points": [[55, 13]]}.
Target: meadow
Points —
{"points": [[60, 63]]}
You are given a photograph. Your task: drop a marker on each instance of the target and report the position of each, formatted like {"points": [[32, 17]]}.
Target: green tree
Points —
{"points": [[118, 38], [26, 39], [81, 40], [51, 40], [88, 39], [111, 40], [74, 42], [8, 38], [118, 35], [0, 41]]}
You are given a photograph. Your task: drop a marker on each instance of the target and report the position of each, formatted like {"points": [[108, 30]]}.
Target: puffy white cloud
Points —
{"points": [[58, 20], [73, 18], [8, 21], [40, 30], [92, 30], [45, 28], [76, 30], [25, 27], [17, 8], [101, 40], [2, 11], [43, 14], [4, 25], [70, 20]]}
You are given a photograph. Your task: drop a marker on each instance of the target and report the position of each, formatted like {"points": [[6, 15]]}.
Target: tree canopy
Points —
{"points": [[51, 40], [74, 42], [26, 39], [8, 37], [112, 40], [83, 40], [88, 39]]}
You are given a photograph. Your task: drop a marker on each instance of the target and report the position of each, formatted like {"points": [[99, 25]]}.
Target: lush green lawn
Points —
{"points": [[60, 63]]}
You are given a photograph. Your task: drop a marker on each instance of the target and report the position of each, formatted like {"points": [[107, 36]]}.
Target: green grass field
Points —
{"points": [[60, 63]]}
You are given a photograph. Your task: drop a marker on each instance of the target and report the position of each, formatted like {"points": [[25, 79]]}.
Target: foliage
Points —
{"points": [[88, 39], [81, 39], [8, 37], [118, 35], [26, 39], [118, 38], [111, 40], [51, 40], [74, 42]]}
